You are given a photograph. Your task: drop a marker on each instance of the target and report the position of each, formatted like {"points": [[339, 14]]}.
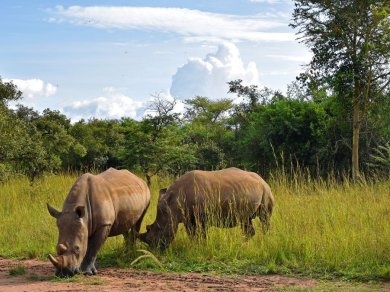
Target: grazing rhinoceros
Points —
{"points": [[223, 198], [108, 204]]}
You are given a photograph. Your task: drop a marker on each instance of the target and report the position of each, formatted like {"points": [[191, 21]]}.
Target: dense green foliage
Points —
{"points": [[350, 42], [337, 108], [265, 131]]}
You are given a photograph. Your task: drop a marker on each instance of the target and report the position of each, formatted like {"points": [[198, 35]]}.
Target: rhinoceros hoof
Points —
{"points": [[90, 270]]}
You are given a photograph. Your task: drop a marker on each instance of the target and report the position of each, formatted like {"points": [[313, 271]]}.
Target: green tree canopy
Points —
{"points": [[156, 144], [8, 92], [207, 128], [350, 41]]}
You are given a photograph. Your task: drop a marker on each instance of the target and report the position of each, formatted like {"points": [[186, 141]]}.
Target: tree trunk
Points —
{"points": [[148, 180], [355, 140]]}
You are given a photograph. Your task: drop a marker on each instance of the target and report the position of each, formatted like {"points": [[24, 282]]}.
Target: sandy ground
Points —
{"points": [[39, 277]]}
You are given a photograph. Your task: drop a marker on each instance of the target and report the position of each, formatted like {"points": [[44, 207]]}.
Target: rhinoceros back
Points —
{"points": [[128, 195], [223, 191]]}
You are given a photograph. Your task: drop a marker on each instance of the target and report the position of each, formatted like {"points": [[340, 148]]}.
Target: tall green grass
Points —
{"points": [[321, 228]]}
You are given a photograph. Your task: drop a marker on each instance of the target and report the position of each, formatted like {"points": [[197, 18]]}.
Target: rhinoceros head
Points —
{"points": [[161, 233], [72, 240]]}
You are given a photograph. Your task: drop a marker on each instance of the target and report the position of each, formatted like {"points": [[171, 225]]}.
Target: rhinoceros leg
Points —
{"points": [[94, 244], [196, 226], [247, 228], [130, 236], [264, 216], [265, 224], [190, 228], [190, 224]]}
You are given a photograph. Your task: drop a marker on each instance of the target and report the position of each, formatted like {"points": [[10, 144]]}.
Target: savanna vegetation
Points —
{"points": [[324, 148], [318, 228]]}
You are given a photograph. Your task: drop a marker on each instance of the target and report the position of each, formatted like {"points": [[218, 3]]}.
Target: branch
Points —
{"points": [[384, 86]]}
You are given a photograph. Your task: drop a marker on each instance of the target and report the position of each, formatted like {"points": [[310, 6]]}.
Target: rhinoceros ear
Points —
{"points": [[53, 212], [80, 211], [162, 193]]}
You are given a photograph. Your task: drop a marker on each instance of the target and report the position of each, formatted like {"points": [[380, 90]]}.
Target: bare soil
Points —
{"points": [[38, 276]]}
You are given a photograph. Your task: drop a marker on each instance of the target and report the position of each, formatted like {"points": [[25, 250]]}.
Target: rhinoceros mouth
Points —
{"points": [[143, 237], [67, 272], [61, 271], [153, 242]]}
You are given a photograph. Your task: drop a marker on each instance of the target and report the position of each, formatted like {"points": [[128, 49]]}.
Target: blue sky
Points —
{"points": [[107, 58]]}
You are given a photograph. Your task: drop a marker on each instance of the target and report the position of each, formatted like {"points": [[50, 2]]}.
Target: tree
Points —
{"points": [[350, 41], [207, 129], [59, 143], [8, 92], [291, 129], [203, 109], [241, 119], [21, 148], [156, 144], [162, 111], [254, 95], [98, 143]]}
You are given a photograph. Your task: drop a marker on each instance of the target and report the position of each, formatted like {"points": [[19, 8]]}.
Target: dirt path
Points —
{"points": [[39, 277]]}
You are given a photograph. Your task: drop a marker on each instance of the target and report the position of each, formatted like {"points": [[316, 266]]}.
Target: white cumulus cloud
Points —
{"points": [[209, 76], [113, 105], [188, 23], [33, 88]]}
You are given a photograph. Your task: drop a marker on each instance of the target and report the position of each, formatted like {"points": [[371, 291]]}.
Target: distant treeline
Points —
{"points": [[334, 119], [307, 130]]}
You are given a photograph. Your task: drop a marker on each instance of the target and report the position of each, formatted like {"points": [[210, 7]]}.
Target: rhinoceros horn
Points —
{"points": [[54, 261]]}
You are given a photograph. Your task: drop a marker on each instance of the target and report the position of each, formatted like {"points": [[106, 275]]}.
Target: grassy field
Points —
{"points": [[319, 228]]}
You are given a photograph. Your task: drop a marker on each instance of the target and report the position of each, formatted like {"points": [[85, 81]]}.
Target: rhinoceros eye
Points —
{"points": [[76, 249]]}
